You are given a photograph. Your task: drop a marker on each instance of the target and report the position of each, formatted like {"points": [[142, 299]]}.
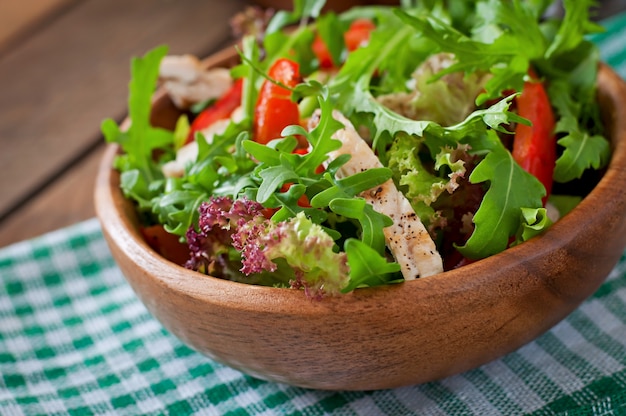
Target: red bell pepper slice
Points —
{"points": [[274, 108], [357, 34], [322, 53], [534, 147], [220, 110]]}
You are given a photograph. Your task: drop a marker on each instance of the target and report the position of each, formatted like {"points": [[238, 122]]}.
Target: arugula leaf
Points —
{"points": [[582, 151], [136, 187], [296, 42], [576, 24], [262, 153], [367, 267], [273, 178], [372, 222], [519, 33], [511, 188], [141, 175], [571, 61], [350, 186], [142, 138], [288, 204], [178, 210], [582, 148], [320, 137], [302, 9]]}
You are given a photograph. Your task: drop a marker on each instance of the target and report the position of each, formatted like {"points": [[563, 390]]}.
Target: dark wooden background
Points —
{"points": [[64, 67]]}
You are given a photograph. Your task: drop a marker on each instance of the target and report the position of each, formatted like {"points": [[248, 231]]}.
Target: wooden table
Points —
{"points": [[64, 67]]}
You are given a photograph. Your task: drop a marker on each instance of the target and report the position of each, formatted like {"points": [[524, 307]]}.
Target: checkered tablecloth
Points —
{"points": [[74, 340]]}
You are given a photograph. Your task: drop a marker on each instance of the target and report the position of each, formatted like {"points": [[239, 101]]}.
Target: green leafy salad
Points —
{"points": [[366, 147]]}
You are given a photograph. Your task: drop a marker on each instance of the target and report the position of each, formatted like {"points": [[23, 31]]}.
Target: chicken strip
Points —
{"points": [[188, 82], [407, 239]]}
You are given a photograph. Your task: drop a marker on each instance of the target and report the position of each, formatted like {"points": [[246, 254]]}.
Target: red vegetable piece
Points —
{"points": [[166, 244], [357, 34], [322, 53], [274, 109], [220, 110], [534, 147]]}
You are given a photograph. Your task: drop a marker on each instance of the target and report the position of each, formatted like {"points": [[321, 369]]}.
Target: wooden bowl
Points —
{"points": [[384, 337]]}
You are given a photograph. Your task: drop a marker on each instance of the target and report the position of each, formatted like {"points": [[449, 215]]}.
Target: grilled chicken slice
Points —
{"points": [[407, 239], [188, 82]]}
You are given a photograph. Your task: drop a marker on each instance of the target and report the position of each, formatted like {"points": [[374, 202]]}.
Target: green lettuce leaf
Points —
{"points": [[309, 250]]}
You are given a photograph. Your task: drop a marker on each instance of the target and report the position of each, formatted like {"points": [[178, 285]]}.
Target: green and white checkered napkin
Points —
{"points": [[74, 339]]}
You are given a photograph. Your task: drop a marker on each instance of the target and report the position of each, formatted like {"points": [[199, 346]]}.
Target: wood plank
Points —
{"points": [[66, 202], [62, 82], [18, 18]]}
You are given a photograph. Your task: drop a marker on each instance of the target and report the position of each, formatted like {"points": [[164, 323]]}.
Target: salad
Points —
{"points": [[367, 147]]}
